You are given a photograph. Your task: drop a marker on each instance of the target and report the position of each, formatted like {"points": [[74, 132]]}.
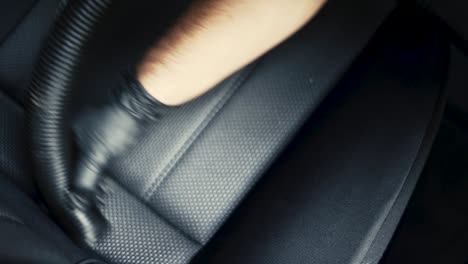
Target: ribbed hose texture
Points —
{"points": [[49, 129]]}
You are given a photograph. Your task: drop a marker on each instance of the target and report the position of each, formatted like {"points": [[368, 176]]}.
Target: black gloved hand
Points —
{"points": [[105, 133]]}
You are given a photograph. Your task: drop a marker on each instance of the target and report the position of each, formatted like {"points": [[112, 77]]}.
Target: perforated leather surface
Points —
{"points": [[19, 49], [175, 190], [194, 168], [139, 236], [13, 157], [29, 235], [19, 52], [337, 193]]}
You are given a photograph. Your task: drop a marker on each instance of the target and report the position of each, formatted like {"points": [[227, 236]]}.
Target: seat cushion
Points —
{"points": [[19, 50], [194, 168], [337, 194], [14, 158], [11, 14], [176, 190], [29, 235]]}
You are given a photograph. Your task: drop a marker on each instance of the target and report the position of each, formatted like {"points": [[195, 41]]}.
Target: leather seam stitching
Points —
{"points": [[8, 218], [167, 170], [14, 101], [159, 216]]}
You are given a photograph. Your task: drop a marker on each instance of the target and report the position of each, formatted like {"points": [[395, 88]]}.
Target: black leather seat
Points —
{"points": [[308, 155], [28, 234], [23, 32]]}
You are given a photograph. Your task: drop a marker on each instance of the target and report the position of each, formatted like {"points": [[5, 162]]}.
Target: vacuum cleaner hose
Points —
{"points": [[49, 126]]}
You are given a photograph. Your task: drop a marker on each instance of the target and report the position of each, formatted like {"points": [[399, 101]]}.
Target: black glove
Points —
{"points": [[105, 133]]}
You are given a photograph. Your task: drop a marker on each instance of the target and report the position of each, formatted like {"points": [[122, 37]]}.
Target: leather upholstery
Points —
{"points": [[338, 192], [334, 196], [19, 52], [14, 159], [28, 235], [195, 167], [11, 14], [24, 29]]}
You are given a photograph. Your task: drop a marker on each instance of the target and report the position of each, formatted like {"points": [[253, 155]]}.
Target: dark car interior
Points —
{"points": [[348, 143]]}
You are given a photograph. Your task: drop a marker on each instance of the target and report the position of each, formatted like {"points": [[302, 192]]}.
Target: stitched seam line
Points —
{"points": [[157, 215], [240, 80], [10, 218], [13, 100]]}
